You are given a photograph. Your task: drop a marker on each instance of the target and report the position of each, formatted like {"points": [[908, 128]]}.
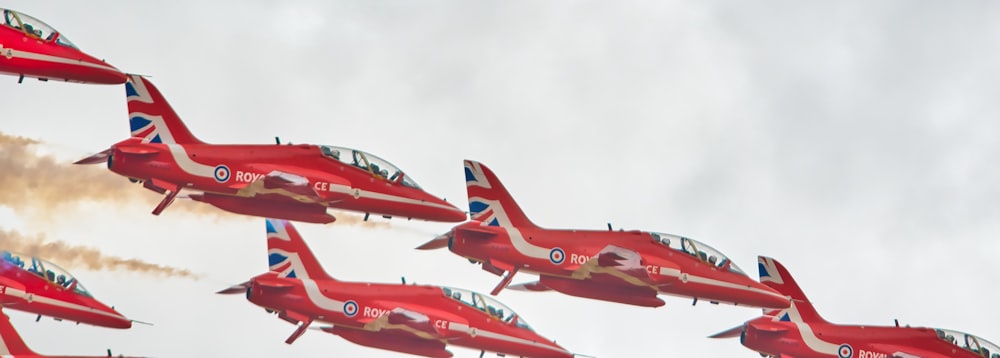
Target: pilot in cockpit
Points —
{"points": [[332, 153]]}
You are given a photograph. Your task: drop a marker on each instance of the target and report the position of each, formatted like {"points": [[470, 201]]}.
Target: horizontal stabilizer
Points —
{"points": [[234, 289], [97, 158], [729, 333], [439, 242]]}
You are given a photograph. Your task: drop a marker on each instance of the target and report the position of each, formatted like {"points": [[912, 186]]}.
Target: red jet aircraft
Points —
{"points": [[29, 47], [34, 285], [294, 182], [414, 319], [12, 346], [630, 267], [799, 331]]}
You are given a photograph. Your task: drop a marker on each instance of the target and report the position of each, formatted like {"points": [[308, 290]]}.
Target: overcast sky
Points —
{"points": [[856, 142]]}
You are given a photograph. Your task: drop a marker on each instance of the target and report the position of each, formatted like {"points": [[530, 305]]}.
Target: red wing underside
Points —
{"points": [[398, 342], [896, 351]]}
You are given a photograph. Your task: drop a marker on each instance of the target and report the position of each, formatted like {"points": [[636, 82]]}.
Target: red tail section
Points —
{"points": [[774, 275], [489, 200], [10, 341], [150, 116], [288, 254]]}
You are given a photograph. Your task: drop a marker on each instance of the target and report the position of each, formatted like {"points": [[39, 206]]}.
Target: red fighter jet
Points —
{"points": [[34, 285], [294, 182], [414, 319], [12, 346], [29, 47], [799, 331], [630, 267]]}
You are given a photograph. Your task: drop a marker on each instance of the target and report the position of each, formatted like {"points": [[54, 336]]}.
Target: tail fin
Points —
{"points": [[774, 275], [288, 254], [150, 116], [10, 341], [489, 200]]}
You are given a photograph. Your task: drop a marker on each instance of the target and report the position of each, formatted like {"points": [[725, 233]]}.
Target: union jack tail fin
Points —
{"points": [[10, 341], [489, 200], [774, 275], [150, 116], [288, 254]]}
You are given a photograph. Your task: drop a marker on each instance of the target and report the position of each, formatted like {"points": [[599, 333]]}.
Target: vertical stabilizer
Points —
{"points": [[489, 200], [288, 254], [774, 275], [151, 118], [10, 340]]}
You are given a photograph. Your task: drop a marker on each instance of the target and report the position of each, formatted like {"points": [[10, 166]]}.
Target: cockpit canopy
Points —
{"points": [[378, 167], [692, 247], [34, 27], [969, 342], [47, 270], [486, 304]]}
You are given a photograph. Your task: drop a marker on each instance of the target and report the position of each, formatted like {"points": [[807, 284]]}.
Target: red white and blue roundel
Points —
{"points": [[557, 255], [222, 173], [845, 351], [350, 308]]}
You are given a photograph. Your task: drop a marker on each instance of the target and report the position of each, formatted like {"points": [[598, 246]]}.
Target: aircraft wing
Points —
{"points": [[906, 351], [399, 342], [618, 262], [534, 286], [406, 320], [324, 188]]}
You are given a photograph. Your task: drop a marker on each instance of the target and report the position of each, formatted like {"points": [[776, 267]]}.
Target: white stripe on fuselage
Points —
{"points": [[808, 336], [187, 165], [56, 59], [191, 167], [730, 285], [317, 297], [21, 294], [516, 238]]}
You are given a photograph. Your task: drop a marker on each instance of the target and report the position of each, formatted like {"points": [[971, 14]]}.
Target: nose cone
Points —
{"points": [[97, 71], [765, 297], [555, 351], [443, 211], [110, 76], [454, 215], [112, 319]]}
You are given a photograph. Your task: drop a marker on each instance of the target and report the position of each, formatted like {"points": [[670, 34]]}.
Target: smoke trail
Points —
{"points": [[37, 184], [71, 256]]}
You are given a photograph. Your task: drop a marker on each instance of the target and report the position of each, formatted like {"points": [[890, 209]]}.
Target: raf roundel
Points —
{"points": [[222, 173], [350, 308], [557, 255], [845, 351]]}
